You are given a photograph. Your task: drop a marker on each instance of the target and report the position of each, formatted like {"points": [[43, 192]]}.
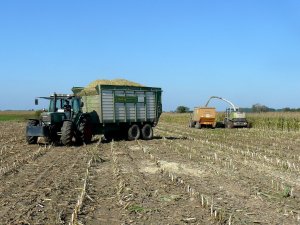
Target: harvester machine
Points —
{"points": [[234, 118]]}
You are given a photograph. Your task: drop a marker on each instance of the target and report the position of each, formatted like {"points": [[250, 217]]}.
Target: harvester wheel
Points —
{"points": [[67, 133], [147, 132], [85, 131], [134, 132], [198, 125], [32, 139], [229, 124]]}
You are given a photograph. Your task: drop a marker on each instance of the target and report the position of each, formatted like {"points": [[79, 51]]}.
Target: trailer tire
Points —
{"points": [[67, 133], [85, 131], [32, 139], [192, 124], [198, 125], [134, 132], [147, 132]]}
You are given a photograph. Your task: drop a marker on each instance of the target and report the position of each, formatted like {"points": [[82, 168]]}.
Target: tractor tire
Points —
{"points": [[67, 133], [198, 125], [147, 132], [85, 132], [32, 139], [134, 133]]}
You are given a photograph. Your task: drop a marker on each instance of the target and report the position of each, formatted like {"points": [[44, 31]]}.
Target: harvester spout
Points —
{"points": [[223, 99]]}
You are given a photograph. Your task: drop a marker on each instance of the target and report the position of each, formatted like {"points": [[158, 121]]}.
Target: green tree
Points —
{"points": [[182, 109], [259, 108]]}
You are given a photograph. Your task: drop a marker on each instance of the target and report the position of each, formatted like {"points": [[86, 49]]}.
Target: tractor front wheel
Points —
{"points": [[67, 133], [32, 139]]}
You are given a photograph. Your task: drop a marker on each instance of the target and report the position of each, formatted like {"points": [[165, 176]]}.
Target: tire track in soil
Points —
{"points": [[43, 191], [145, 198], [101, 205]]}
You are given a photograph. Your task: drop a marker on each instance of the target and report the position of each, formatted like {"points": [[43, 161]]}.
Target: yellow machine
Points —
{"points": [[203, 117]]}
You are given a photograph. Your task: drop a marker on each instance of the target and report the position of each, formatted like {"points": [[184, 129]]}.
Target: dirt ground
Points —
{"points": [[182, 176]]}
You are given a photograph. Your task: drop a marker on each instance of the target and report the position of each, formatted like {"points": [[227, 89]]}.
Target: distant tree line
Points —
{"points": [[262, 108], [257, 108]]}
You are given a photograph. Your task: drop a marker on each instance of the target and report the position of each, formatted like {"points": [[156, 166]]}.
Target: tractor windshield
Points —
{"points": [[55, 106], [61, 102]]}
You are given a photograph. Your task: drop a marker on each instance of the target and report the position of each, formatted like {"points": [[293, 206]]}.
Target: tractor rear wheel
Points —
{"points": [[85, 131], [147, 132], [67, 133], [134, 132], [32, 139]]}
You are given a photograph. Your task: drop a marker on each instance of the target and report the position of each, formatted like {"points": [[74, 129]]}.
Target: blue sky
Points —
{"points": [[246, 51]]}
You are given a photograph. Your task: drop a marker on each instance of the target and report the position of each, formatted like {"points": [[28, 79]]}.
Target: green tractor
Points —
{"points": [[63, 123]]}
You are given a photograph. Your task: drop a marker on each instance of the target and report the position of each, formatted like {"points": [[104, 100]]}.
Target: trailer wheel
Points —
{"points": [[192, 124], [147, 132], [198, 125], [32, 139], [67, 133], [134, 132], [85, 131]]}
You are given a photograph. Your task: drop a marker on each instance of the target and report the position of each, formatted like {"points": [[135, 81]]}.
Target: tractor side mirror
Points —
{"points": [[36, 101]]}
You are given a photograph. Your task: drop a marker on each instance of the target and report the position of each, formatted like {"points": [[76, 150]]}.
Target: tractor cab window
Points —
{"points": [[56, 106], [76, 105], [66, 105], [51, 106]]}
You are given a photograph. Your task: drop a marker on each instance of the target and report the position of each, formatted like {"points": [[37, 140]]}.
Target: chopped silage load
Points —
{"points": [[91, 88]]}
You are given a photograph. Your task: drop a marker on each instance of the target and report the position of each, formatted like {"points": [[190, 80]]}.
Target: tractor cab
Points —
{"points": [[61, 107]]}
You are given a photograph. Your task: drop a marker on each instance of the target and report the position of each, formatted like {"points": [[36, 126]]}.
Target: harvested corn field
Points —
{"points": [[182, 176]]}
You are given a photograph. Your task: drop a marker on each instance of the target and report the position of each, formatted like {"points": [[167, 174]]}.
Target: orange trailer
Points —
{"points": [[203, 117]]}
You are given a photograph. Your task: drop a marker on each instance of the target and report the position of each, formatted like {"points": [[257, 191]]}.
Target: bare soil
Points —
{"points": [[182, 176]]}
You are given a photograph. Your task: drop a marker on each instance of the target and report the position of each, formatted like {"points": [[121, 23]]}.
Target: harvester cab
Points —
{"points": [[61, 123], [233, 116]]}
